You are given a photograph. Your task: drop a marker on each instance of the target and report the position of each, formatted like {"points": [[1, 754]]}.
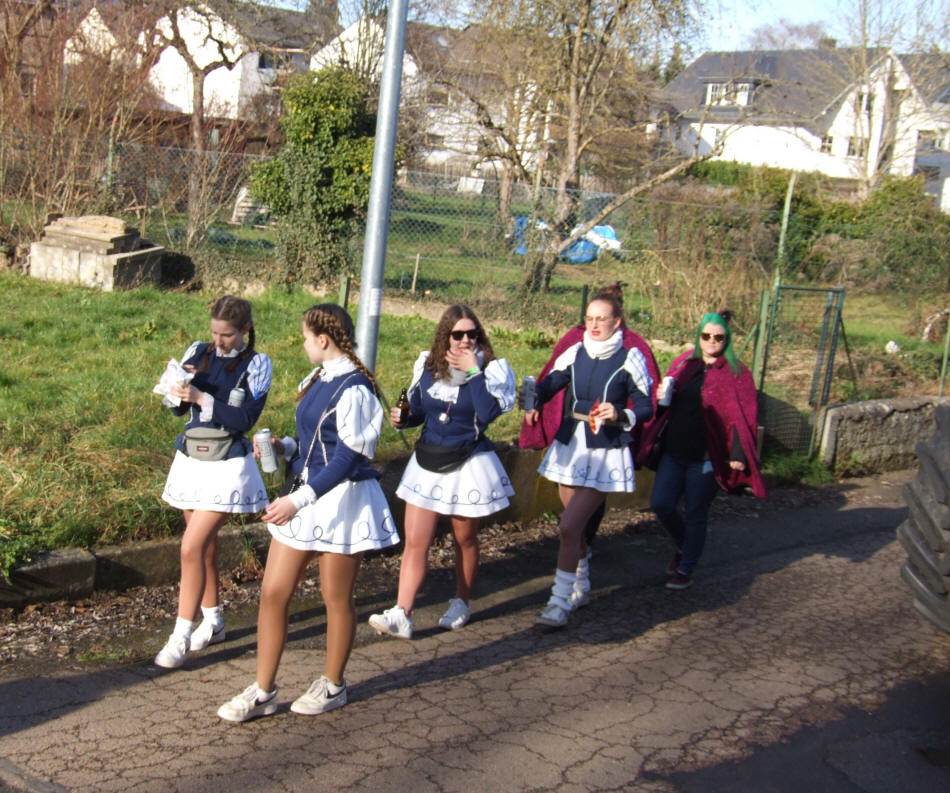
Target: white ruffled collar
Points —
{"points": [[329, 371], [229, 353], [603, 349]]}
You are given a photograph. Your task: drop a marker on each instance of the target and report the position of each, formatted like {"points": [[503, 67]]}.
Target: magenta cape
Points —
{"points": [[542, 433], [730, 403]]}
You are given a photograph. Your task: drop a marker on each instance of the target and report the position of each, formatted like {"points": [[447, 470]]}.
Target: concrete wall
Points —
{"points": [[877, 435], [75, 573], [52, 262]]}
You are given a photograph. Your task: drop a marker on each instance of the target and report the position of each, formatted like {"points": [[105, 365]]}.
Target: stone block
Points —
{"points": [[57, 575], [877, 435]]}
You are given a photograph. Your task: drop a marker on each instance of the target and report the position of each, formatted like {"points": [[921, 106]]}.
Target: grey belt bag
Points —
{"points": [[208, 443]]}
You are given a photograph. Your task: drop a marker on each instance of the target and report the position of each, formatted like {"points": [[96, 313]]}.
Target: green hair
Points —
{"points": [[728, 353]]}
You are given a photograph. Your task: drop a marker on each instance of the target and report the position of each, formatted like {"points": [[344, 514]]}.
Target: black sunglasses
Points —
{"points": [[458, 335], [713, 336]]}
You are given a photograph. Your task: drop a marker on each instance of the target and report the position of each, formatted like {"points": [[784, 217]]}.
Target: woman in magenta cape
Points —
{"points": [[706, 440], [540, 434]]}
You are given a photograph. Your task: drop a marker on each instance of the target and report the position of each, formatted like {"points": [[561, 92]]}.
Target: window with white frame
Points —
{"points": [[827, 142], [857, 146], [731, 93]]}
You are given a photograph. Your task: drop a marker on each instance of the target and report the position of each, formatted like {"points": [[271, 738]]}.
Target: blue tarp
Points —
{"points": [[581, 251]]}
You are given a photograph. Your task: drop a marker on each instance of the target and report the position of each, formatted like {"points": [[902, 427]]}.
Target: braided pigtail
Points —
{"points": [[331, 319]]}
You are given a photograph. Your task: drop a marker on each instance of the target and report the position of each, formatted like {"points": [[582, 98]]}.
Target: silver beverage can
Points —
{"points": [[668, 391], [268, 458], [236, 397], [527, 392]]}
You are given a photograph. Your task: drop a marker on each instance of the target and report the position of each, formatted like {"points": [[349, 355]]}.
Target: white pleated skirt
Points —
{"points": [[608, 470], [480, 487], [233, 486], [351, 518]]}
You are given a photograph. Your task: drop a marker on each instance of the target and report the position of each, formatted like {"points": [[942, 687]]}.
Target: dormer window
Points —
{"points": [[730, 93]]}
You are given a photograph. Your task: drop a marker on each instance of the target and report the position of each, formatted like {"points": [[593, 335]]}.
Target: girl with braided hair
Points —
{"points": [[226, 395], [334, 509]]}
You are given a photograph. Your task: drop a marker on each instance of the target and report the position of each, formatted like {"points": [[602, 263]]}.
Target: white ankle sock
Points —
{"points": [[184, 627], [563, 586], [213, 615]]}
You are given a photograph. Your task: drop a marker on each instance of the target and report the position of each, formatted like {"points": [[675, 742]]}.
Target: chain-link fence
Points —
{"points": [[450, 237], [802, 365]]}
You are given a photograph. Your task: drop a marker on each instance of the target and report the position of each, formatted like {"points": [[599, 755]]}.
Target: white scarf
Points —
{"points": [[603, 349]]}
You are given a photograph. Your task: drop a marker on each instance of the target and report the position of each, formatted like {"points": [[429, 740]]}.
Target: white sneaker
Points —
{"points": [[457, 615], [318, 698], [553, 616], [207, 633], [393, 621], [249, 704], [174, 653]]}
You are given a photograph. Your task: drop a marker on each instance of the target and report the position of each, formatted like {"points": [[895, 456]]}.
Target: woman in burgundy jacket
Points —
{"points": [[705, 439]]}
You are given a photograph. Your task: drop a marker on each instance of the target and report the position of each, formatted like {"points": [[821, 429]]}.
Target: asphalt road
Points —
{"points": [[795, 664]]}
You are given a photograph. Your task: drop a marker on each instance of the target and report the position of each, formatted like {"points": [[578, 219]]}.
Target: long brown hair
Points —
{"points": [[436, 362], [331, 319], [236, 311]]}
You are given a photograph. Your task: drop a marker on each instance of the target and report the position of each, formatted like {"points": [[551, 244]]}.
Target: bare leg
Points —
{"points": [[465, 536], [420, 525], [285, 566], [337, 579], [584, 502], [198, 544], [565, 493]]}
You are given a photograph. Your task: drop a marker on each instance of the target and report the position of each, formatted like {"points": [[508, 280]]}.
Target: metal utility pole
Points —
{"points": [[381, 186]]}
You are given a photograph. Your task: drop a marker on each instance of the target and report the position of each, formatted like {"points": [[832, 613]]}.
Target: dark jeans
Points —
{"points": [[676, 477]]}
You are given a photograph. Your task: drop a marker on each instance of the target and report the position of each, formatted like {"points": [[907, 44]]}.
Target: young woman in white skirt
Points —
{"points": [[334, 510], [458, 388], [228, 391], [590, 455]]}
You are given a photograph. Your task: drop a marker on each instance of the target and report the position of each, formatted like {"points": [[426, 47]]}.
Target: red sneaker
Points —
{"points": [[674, 563], [679, 581]]}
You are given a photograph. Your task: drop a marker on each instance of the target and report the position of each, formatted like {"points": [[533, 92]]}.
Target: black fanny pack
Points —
{"points": [[443, 459]]}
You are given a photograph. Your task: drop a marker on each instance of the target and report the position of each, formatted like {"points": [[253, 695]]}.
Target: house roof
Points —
{"points": [[803, 87], [931, 75], [285, 28]]}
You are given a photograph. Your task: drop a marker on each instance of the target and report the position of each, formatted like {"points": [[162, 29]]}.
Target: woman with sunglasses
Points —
{"points": [[458, 388], [540, 434], [704, 438], [590, 455]]}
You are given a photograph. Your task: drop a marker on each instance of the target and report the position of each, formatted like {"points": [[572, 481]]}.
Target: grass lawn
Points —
{"points": [[85, 445]]}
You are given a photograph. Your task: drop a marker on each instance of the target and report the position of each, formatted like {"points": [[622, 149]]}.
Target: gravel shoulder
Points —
{"points": [[127, 627]]}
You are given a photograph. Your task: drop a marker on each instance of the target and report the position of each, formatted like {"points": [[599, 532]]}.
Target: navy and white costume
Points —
{"points": [[455, 414], [234, 484], [341, 507], [595, 371]]}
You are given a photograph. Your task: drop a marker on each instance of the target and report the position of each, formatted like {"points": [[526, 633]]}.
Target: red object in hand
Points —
{"points": [[595, 422]]}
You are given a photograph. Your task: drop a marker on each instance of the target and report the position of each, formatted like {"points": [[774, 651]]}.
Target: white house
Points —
{"points": [[443, 69], [258, 45], [845, 112]]}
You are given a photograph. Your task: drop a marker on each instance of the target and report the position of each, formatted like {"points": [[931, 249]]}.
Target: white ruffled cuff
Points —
{"points": [[303, 496]]}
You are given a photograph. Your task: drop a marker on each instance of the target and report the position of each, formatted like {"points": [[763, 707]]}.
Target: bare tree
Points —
{"points": [[577, 70]]}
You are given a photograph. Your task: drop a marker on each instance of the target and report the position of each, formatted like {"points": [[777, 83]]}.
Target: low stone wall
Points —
{"points": [[877, 435], [76, 573]]}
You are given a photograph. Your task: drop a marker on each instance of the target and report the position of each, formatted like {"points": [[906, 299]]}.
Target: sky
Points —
{"points": [[728, 24]]}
